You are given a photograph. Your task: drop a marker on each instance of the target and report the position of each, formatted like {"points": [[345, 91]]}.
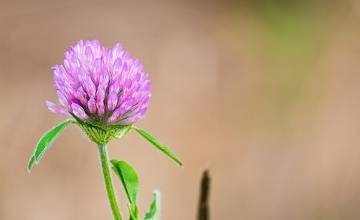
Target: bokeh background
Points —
{"points": [[264, 94]]}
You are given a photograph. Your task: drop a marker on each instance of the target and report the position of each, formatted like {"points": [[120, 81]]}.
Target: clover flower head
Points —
{"points": [[105, 86], [104, 91]]}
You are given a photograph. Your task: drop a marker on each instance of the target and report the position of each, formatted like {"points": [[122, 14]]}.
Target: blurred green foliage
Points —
{"points": [[289, 40]]}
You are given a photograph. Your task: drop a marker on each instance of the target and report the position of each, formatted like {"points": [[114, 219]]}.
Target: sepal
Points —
{"points": [[102, 134]]}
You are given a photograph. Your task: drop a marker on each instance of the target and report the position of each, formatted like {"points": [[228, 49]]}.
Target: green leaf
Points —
{"points": [[158, 145], [45, 142], [128, 178], [154, 210], [134, 212]]}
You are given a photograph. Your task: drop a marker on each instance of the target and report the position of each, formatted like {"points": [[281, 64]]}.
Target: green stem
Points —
{"points": [[104, 157]]}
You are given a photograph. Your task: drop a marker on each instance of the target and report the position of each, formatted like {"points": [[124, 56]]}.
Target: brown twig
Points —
{"points": [[203, 209]]}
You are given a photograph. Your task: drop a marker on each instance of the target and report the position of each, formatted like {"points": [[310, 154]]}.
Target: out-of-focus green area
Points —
{"points": [[289, 39]]}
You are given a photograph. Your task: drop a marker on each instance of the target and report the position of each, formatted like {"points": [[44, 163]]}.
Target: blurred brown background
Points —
{"points": [[263, 93]]}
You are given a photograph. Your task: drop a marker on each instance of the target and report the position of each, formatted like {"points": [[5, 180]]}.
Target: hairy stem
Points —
{"points": [[104, 157]]}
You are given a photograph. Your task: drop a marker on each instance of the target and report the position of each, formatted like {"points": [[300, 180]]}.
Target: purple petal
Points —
{"points": [[112, 101], [79, 111], [100, 96], [58, 109], [81, 95], [115, 115], [92, 105]]}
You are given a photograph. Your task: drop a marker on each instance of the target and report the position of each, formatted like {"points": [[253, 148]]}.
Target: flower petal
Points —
{"points": [[58, 109], [79, 111]]}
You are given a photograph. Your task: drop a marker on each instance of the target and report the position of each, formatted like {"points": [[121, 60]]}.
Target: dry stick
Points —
{"points": [[203, 209]]}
